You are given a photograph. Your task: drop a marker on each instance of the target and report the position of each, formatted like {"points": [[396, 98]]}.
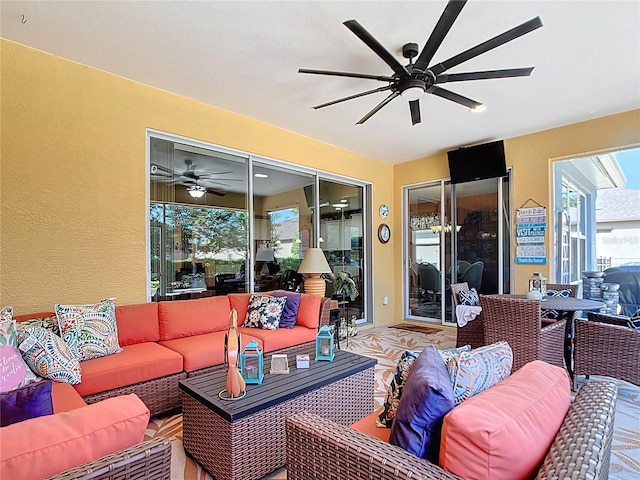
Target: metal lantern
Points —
{"points": [[324, 344], [252, 363], [537, 282]]}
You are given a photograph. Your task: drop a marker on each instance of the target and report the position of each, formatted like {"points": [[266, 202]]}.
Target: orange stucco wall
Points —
{"points": [[73, 186]]}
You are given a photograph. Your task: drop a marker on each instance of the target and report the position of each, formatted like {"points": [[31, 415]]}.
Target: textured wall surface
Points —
{"points": [[73, 185]]}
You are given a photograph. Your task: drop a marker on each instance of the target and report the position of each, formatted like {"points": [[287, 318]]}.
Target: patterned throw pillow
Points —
{"points": [[90, 331], [48, 323], [394, 392], [555, 293], [475, 371], [469, 297], [635, 320], [15, 372], [264, 311], [48, 356]]}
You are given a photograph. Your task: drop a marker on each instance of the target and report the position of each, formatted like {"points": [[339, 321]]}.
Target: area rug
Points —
{"points": [[386, 345]]}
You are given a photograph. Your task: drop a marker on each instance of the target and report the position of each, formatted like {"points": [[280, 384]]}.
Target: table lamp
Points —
{"points": [[313, 264], [264, 254]]}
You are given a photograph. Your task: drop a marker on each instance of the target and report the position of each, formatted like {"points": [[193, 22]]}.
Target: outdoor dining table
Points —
{"points": [[566, 308]]}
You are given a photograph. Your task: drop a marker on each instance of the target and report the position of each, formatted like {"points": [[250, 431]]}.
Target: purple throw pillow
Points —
{"points": [[290, 312], [427, 397], [31, 401]]}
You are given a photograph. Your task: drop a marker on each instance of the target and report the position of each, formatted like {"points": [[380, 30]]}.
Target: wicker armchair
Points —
{"points": [[517, 321], [603, 347], [148, 460], [319, 448], [472, 333]]}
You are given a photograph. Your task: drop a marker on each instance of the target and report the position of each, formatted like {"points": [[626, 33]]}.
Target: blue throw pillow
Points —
{"points": [[426, 399], [31, 401], [555, 293], [290, 312], [469, 297]]}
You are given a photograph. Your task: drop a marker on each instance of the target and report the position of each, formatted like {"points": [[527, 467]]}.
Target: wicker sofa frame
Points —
{"points": [[147, 460], [320, 448]]}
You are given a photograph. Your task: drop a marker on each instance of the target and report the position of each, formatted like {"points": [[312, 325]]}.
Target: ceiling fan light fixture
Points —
{"points": [[196, 191], [479, 108], [412, 93]]}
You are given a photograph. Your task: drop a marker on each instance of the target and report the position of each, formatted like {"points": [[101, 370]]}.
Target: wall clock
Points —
{"points": [[383, 211], [384, 233]]}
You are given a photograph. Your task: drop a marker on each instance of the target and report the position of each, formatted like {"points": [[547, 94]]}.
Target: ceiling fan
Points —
{"points": [[191, 179], [415, 79]]}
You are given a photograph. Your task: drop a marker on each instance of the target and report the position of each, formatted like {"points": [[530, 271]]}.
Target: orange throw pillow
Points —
{"points": [[505, 432]]}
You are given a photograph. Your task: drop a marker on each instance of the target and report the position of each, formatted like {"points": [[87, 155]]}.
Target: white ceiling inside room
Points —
{"points": [[244, 56]]}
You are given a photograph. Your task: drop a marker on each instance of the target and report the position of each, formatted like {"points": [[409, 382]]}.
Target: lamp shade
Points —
{"points": [[313, 264], [314, 261], [265, 255]]}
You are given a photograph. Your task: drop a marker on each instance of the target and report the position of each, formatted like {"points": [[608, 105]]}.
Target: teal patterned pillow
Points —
{"points": [[48, 356], [475, 371], [394, 392], [90, 331], [265, 311], [555, 293]]}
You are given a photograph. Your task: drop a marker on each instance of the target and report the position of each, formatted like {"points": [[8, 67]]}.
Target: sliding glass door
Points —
{"points": [[454, 233]]}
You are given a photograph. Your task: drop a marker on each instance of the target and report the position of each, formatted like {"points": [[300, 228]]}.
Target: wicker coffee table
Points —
{"points": [[245, 439]]}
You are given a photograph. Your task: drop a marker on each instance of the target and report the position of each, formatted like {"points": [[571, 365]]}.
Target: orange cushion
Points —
{"points": [[184, 318], [240, 301], [506, 431], [137, 323], [368, 425], [282, 337], [45, 446], [65, 397], [202, 351], [136, 363], [309, 311]]}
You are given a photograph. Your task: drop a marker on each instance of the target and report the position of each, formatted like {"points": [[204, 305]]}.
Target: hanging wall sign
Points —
{"points": [[531, 226]]}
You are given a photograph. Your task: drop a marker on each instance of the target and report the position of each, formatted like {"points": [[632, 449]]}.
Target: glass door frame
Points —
{"points": [[504, 208], [250, 158]]}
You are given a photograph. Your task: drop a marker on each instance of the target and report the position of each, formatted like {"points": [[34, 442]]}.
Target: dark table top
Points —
{"points": [[275, 389], [566, 304]]}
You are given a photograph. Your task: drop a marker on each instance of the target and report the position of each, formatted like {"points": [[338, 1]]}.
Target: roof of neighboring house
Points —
{"points": [[287, 229], [617, 205]]}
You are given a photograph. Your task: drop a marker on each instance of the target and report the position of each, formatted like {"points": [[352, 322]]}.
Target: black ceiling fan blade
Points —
{"points": [[216, 192], [351, 97], [454, 97], [485, 75], [414, 106], [376, 46], [448, 17], [381, 78], [377, 108], [490, 44]]}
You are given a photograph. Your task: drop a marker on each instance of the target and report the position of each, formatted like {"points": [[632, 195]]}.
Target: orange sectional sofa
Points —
{"points": [[161, 344], [164, 342]]}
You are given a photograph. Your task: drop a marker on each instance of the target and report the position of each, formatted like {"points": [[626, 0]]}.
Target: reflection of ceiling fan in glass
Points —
{"points": [[193, 180]]}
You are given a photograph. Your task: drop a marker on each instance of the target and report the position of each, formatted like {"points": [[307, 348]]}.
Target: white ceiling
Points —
{"points": [[243, 56]]}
